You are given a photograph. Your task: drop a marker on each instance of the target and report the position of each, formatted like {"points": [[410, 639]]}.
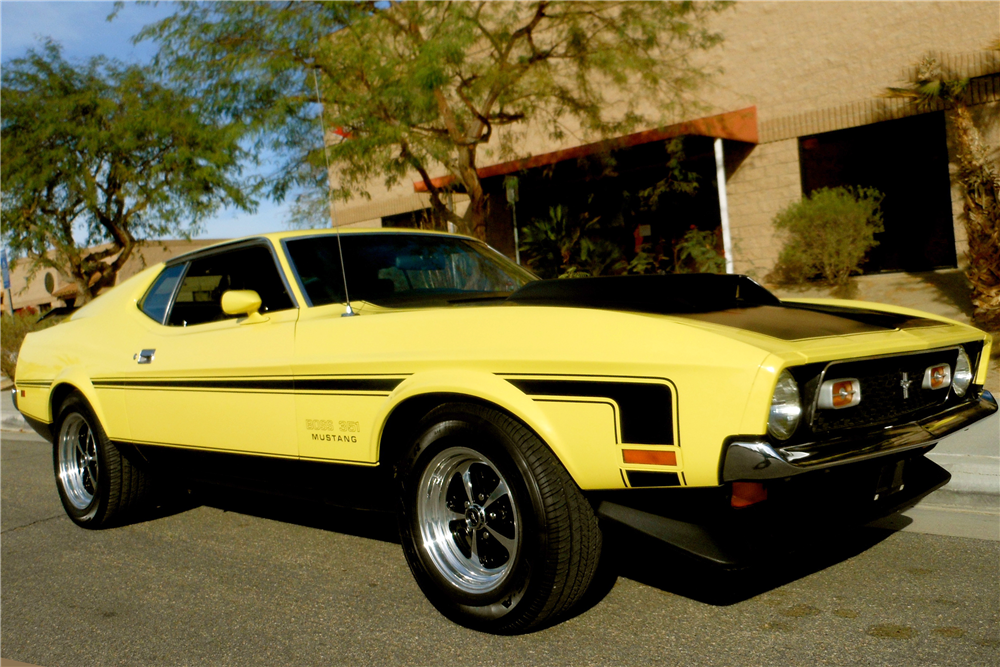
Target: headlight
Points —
{"points": [[963, 373], [786, 407]]}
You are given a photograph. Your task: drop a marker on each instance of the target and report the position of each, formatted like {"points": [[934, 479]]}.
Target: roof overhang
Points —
{"points": [[740, 125]]}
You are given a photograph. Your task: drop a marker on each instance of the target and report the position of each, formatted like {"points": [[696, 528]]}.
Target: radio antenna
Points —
{"points": [[331, 200]]}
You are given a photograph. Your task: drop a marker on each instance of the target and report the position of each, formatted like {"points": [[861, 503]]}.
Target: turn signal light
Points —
{"points": [[841, 393], [746, 494], [650, 457], [937, 377]]}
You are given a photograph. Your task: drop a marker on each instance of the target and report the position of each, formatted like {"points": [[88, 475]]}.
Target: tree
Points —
{"points": [[933, 87], [422, 86], [103, 155]]}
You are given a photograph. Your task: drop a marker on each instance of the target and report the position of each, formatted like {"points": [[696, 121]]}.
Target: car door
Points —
{"points": [[343, 374], [207, 380]]}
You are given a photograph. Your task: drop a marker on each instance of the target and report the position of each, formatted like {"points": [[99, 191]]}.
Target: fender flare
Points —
{"points": [[75, 377], [478, 385]]}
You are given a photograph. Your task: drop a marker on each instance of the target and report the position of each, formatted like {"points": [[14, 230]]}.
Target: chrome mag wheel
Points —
{"points": [[468, 521], [79, 467]]}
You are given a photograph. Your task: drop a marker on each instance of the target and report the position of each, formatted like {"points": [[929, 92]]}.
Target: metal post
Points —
{"points": [[720, 174], [510, 185], [5, 269]]}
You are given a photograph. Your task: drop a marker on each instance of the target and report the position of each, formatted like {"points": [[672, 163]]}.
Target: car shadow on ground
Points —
{"points": [[660, 566], [370, 524], [626, 554]]}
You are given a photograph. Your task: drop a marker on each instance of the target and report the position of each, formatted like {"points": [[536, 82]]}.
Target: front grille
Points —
{"points": [[882, 396]]}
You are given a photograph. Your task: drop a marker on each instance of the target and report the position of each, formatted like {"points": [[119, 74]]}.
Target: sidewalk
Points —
{"points": [[972, 456]]}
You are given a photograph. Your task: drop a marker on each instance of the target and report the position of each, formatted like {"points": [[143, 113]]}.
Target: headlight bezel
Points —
{"points": [[786, 411], [963, 374]]}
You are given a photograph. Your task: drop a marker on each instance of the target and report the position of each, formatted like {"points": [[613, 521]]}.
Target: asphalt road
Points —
{"points": [[246, 584]]}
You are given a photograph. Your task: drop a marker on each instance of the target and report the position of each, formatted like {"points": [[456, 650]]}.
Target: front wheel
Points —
{"points": [[496, 532], [97, 484]]}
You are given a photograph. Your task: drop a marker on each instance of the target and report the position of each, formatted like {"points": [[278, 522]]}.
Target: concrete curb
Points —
{"points": [[974, 485]]}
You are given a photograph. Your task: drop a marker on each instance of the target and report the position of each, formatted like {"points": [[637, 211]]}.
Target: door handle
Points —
{"points": [[144, 357]]}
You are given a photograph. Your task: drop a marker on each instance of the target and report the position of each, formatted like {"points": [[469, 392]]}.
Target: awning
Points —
{"points": [[738, 125]]}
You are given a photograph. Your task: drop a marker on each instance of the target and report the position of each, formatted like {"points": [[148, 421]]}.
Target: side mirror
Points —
{"points": [[244, 302]]}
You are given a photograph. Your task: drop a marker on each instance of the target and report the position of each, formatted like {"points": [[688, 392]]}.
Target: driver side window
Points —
{"points": [[199, 298]]}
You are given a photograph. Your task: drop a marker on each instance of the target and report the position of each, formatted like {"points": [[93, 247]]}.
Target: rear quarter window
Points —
{"points": [[157, 300]]}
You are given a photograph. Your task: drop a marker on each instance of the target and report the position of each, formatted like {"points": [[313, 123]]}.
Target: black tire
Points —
{"points": [[498, 535], [98, 486]]}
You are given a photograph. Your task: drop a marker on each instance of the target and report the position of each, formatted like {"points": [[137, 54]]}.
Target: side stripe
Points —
{"points": [[646, 408], [287, 384]]}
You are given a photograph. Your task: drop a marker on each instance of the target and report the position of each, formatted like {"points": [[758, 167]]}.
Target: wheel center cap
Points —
{"points": [[475, 517]]}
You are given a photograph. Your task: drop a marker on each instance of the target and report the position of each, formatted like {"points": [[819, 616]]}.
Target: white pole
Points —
{"points": [[720, 175]]}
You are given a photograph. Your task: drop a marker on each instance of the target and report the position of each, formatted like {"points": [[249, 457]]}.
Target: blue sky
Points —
{"points": [[83, 30]]}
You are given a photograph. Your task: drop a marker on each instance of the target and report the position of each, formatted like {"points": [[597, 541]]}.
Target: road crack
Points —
{"points": [[28, 525]]}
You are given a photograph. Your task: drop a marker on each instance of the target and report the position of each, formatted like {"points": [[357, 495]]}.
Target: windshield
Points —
{"points": [[402, 269]]}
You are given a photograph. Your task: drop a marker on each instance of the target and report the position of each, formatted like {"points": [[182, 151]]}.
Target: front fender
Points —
{"points": [[487, 387]]}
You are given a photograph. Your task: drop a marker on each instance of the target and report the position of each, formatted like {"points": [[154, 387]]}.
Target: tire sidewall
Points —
{"points": [[460, 427], [91, 515]]}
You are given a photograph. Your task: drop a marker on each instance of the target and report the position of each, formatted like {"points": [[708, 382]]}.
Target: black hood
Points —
{"points": [[730, 300]]}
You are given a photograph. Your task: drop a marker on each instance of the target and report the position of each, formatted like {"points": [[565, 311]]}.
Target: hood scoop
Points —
{"points": [[730, 300]]}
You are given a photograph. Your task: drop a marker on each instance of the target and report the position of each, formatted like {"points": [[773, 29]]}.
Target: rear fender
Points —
{"points": [[70, 379]]}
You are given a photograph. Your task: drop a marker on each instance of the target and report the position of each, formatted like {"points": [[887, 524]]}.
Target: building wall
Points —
{"points": [[767, 181], [790, 58], [813, 67], [808, 67], [29, 290]]}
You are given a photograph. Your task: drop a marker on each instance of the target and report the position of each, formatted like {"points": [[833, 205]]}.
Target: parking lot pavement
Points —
{"points": [[969, 506], [248, 584]]}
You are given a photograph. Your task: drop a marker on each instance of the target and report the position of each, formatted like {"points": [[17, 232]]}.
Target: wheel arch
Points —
{"points": [[422, 393], [69, 381]]}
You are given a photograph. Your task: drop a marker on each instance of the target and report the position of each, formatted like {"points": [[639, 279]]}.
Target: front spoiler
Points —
{"points": [[756, 458], [737, 539]]}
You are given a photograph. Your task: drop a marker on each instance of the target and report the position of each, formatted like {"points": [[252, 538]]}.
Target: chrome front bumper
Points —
{"points": [[758, 459]]}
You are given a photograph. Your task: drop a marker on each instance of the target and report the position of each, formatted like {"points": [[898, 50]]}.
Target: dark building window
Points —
{"points": [[906, 160], [419, 219]]}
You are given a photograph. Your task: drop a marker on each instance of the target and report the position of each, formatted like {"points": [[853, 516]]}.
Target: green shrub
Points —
{"points": [[698, 252], [828, 234], [562, 246], [13, 329]]}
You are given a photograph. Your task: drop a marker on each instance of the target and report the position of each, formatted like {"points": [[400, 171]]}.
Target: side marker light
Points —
{"points": [[649, 457]]}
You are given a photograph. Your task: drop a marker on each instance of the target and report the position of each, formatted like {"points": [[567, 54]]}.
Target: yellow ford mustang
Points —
{"points": [[511, 422]]}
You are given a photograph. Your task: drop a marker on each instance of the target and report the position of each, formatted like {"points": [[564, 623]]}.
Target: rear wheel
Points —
{"points": [[496, 532], [98, 486]]}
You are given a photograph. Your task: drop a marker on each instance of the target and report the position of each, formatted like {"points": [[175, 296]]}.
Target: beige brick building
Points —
{"points": [[810, 75], [46, 288]]}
